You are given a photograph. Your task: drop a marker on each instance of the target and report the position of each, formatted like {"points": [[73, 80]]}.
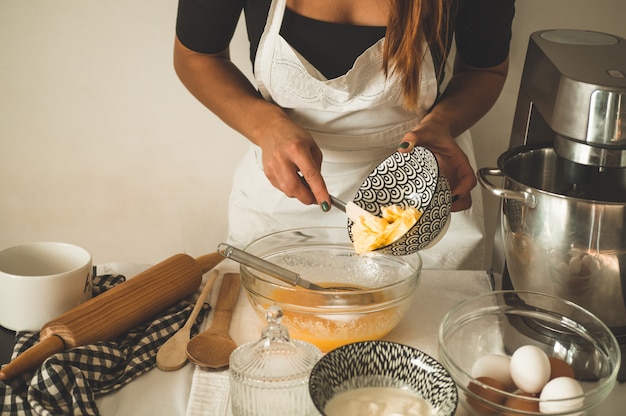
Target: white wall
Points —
{"points": [[100, 144]]}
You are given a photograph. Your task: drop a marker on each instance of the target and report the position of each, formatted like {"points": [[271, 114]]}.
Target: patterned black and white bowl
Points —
{"points": [[383, 364], [409, 180]]}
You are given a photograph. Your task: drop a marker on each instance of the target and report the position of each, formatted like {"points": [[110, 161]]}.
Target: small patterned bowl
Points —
{"points": [[409, 180], [382, 364]]}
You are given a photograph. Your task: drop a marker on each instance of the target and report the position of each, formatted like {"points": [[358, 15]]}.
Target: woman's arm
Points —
{"points": [[219, 85], [469, 95], [482, 32]]}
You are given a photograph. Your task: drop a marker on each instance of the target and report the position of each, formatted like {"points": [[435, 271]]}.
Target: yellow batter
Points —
{"points": [[328, 331], [370, 232]]}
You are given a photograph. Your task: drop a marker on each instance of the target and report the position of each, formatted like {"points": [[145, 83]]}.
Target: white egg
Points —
{"points": [[559, 389], [495, 366], [591, 264], [530, 368], [575, 265]]}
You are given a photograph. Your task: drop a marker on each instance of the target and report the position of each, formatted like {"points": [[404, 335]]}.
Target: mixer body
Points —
{"points": [[562, 227]]}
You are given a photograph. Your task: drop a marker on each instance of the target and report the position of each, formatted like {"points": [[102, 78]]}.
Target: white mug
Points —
{"points": [[40, 281]]}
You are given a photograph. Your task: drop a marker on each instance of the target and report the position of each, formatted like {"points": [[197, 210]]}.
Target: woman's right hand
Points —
{"points": [[290, 154], [287, 147]]}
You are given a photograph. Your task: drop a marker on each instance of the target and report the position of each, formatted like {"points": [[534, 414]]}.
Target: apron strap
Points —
{"points": [[270, 34]]}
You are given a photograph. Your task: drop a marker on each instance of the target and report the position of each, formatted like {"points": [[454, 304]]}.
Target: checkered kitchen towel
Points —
{"points": [[68, 382]]}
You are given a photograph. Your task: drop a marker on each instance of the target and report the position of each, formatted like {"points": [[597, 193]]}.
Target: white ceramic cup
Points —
{"points": [[40, 281]]}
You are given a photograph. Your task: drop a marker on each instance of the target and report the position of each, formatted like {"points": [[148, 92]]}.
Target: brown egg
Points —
{"points": [[559, 368], [521, 402], [488, 395]]}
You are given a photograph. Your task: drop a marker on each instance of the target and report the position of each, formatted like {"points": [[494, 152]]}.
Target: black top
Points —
{"points": [[482, 30]]}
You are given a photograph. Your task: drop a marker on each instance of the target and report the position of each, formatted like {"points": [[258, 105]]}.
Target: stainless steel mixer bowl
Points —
{"points": [[564, 229]]}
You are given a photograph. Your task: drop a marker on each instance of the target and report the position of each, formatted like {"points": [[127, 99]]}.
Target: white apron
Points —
{"points": [[357, 120]]}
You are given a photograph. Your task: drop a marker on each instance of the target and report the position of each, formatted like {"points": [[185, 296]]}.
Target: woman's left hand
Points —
{"points": [[470, 93], [455, 164]]}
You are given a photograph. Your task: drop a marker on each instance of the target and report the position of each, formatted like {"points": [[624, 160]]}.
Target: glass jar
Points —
{"points": [[271, 376]]}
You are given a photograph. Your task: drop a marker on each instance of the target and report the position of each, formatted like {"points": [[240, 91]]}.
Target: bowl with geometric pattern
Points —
{"points": [[381, 377], [408, 180]]}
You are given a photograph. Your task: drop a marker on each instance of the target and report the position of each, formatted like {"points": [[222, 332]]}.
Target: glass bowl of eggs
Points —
{"points": [[527, 353]]}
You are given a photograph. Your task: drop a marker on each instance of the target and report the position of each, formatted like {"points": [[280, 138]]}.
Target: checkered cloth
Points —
{"points": [[68, 382]]}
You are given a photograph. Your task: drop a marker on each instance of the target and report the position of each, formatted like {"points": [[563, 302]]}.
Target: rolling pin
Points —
{"points": [[117, 310]]}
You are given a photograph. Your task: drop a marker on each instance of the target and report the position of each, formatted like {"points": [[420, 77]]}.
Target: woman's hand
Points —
{"points": [[287, 148], [455, 164], [290, 154], [470, 93]]}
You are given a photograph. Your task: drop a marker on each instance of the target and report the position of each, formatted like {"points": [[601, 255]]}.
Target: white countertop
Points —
{"points": [[190, 391]]}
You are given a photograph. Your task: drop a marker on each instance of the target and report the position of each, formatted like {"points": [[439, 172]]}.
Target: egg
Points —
{"points": [[556, 391], [524, 402], [495, 366], [530, 369], [559, 368], [486, 394]]}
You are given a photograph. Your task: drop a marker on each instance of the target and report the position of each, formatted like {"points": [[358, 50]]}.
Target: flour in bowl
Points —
{"points": [[378, 401]]}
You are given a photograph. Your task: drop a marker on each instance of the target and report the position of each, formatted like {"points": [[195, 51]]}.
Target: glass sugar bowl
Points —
{"points": [[270, 376]]}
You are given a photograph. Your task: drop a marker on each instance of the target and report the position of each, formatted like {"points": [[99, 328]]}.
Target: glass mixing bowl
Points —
{"points": [[325, 256], [498, 323]]}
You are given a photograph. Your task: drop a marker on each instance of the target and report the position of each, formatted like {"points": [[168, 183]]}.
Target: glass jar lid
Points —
{"points": [[275, 357]]}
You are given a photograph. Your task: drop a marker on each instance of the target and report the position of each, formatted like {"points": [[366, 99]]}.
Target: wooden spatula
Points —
{"points": [[212, 348], [173, 354]]}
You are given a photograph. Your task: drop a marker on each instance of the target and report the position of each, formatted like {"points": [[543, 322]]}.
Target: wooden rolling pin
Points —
{"points": [[117, 310]]}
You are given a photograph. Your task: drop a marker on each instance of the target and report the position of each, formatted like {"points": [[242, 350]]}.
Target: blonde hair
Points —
{"points": [[404, 51]]}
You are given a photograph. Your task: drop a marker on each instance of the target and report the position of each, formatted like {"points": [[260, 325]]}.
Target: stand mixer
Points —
{"points": [[563, 216]]}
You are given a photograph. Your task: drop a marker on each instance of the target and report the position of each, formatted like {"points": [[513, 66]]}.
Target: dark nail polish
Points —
{"points": [[325, 206], [454, 198], [404, 145]]}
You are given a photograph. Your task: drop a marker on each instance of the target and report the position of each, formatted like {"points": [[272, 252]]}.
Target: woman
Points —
{"points": [[340, 85]]}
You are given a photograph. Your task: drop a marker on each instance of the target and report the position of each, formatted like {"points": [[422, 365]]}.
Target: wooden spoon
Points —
{"points": [[173, 354], [212, 348]]}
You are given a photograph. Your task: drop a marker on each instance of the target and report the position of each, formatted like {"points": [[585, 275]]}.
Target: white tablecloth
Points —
{"points": [[194, 392]]}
